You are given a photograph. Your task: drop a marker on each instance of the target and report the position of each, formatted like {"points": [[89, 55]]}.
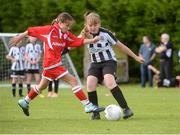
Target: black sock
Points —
{"points": [[118, 95], [14, 89], [56, 86], [50, 87], [92, 96], [28, 87], [20, 89]]}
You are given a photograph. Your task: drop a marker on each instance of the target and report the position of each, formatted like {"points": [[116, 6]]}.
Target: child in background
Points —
{"points": [[32, 57], [16, 56]]}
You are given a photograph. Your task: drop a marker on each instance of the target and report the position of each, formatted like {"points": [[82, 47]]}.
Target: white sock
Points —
{"points": [[27, 99]]}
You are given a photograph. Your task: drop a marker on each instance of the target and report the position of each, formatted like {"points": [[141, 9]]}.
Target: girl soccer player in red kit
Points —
{"points": [[56, 38]]}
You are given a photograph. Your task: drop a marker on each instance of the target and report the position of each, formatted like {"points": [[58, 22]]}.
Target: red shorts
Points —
{"points": [[54, 73]]}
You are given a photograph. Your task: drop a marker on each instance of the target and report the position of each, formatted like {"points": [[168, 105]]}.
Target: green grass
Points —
{"points": [[156, 111]]}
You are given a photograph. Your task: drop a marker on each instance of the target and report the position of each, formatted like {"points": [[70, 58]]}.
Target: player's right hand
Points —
{"points": [[15, 40]]}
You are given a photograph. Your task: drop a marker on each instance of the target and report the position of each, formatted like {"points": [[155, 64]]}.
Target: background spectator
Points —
{"points": [[146, 51], [16, 56], [165, 50], [173, 82], [32, 56]]}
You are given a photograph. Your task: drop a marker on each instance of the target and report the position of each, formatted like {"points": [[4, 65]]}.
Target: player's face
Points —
{"points": [[65, 26], [93, 27]]}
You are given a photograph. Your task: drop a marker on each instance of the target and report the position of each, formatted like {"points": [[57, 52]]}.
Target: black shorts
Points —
{"points": [[20, 74], [100, 69], [32, 71]]}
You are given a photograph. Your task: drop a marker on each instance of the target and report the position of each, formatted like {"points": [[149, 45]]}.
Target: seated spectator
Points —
{"points": [[173, 82]]}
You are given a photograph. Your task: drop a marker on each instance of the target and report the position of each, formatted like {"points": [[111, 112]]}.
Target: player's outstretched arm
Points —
{"points": [[126, 50], [15, 40], [91, 41]]}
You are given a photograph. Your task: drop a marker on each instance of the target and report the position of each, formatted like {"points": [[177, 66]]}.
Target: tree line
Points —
{"points": [[128, 19]]}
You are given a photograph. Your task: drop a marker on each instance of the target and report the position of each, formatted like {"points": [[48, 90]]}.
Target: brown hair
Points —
{"points": [[149, 38], [63, 17]]}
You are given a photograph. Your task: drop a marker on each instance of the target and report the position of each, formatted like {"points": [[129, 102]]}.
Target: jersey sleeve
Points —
{"points": [[10, 52], [169, 45], [27, 48], [40, 32], [169, 50], [39, 48], [111, 38], [73, 41]]}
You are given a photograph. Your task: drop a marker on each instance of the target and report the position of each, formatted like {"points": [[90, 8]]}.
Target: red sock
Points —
{"points": [[80, 95], [33, 93]]}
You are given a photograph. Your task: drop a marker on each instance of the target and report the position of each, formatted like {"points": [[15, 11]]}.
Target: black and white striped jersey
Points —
{"points": [[102, 50], [33, 51], [18, 54]]}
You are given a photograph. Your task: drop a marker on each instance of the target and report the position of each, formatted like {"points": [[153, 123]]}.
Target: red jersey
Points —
{"points": [[54, 43]]}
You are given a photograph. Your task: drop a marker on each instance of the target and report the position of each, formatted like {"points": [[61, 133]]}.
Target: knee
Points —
{"points": [[73, 82], [110, 84]]}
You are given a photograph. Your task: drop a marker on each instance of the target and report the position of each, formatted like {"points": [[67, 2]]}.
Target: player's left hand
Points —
{"points": [[140, 59]]}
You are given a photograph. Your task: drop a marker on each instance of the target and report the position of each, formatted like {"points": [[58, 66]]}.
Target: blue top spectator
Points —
{"points": [[146, 51]]}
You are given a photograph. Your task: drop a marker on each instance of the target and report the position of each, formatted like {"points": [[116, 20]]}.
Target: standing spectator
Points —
{"points": [[165, 50], [16, 56], [146, 51], [32, 56]]}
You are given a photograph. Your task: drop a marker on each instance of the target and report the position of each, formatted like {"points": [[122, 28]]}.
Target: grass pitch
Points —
{"points": [[156, 111]]}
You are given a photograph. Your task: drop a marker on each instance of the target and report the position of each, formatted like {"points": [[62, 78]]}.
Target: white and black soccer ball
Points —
{"points": [[113, 112]]}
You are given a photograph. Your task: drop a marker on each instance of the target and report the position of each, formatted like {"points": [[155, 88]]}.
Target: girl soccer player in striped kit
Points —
{"points": [[32, 56], [56, 38], [103, 62]]}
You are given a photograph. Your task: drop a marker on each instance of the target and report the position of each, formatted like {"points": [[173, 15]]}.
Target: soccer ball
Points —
{"points": [[113, 112]]}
